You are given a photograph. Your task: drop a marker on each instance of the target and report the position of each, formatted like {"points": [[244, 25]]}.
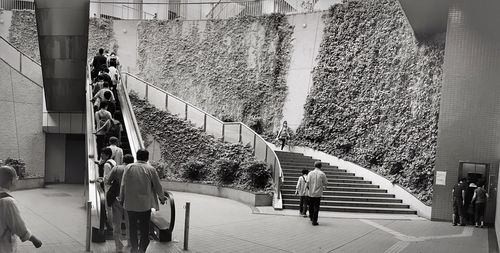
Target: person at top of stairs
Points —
{"points": [[301, 190], [283, 134], [316, 182]]}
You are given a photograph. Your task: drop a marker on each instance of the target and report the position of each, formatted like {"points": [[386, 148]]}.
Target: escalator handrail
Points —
{"points": [[130, 121], [171, 201]]}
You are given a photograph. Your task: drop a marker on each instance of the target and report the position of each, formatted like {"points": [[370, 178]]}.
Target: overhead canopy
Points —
{"points": [[63, 37], [427, 17]]}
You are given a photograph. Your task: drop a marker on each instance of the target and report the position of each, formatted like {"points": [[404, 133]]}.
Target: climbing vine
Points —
{"points": [[233, 68], [376, 93]]}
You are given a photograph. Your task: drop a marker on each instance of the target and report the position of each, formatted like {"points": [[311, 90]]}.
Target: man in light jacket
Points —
{"points": [[140, 190], [316, 182], [11, 222]]}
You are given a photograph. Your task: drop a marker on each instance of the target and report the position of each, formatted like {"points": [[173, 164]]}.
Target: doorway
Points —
{"points": [[479, 174], [75, 159]]}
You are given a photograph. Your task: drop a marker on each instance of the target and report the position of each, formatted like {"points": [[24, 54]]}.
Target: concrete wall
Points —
{"points": [[126, 37], [21, 134], [5, 21], [306, 39], [469, 118]]}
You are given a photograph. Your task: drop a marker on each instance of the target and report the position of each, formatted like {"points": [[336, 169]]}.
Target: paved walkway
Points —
{"points": [[222, 225]]}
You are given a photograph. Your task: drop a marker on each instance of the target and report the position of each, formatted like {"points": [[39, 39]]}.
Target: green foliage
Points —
{"points": [[194, 170], [23, 34], [18, 165], [226, 171], [101, 35], [239, 65], [376, 93], [257, 174], [184, 146]]}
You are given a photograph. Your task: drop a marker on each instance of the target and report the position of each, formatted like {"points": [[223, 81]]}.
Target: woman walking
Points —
{"points": [[283, 134], [480, 196]]}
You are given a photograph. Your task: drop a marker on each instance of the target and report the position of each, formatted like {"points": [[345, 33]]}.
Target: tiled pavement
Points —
{"points": [[222, 225]]}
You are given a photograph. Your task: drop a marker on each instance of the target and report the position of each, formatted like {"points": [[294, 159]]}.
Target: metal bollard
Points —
{"points": [[186, 226], [89, 226]]}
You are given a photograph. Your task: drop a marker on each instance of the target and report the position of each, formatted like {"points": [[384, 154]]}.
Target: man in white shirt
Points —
{"points": [[316, 182], [301, 190], [11, 223], [139, 192], [117, 152]]}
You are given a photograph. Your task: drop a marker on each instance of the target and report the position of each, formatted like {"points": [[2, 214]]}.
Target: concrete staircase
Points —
{"points": [[345, 191]]}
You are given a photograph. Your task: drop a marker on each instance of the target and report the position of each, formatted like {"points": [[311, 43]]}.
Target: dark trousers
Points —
{"points": [[283, 142], [143, 218], [303, 204], [101, 143], [314, 208], [458, 210], [479, 212]]}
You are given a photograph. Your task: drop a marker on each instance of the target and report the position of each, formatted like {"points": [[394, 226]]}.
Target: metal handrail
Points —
{"points": [[130, 121], [171, 199], [278, 176]]}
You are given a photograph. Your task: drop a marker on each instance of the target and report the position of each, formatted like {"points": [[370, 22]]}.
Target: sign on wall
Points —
{"points": [[440, 177]]}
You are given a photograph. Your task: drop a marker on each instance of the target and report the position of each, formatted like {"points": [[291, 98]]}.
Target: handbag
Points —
{"points": [[112, 193]]}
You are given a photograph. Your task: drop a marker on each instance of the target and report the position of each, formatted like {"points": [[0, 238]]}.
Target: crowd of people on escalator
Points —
{"points": [[132, 188]]}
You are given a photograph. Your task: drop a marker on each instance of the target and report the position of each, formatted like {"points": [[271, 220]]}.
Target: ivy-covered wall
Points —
{"points": [[234, 68], [24, 36], [376, 93]]}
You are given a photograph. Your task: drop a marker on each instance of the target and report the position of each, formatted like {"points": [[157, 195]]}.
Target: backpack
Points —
{"points": [[114, 129]]}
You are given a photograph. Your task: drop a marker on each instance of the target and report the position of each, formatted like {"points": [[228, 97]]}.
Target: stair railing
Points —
{"points": [[233, 132]]}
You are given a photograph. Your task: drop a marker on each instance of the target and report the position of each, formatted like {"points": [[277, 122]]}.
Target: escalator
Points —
{"points": [[131, 141]]}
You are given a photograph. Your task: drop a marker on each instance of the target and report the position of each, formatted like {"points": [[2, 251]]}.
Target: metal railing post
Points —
{"points": [[266, 154], [223, 130], [205, 122], [20, 62], [239, 140], [186, 112], [89, 226], [147, 90], [186, 226], [254, 142]]}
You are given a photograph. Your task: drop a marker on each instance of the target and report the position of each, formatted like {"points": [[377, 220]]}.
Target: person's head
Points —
{"points": [[128, 158], [113, 54], [103, 105], [106, 70], [106, 153], [142, 155], [112, 64], [107, 95], [285, 123], [101, 51], [318, 164], [100, 79], [8, 176], [305, 171], [113, 141], [462, 180], [105, 84], [106, 51]]}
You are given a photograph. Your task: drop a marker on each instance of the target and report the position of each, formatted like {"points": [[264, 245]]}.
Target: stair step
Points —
{"points": [[309, 167], [327, 173], [351, 204], [288, 181], [347, 193], [291, 197], [359, 209], [338, 185], [336, 176], [302, 163]]}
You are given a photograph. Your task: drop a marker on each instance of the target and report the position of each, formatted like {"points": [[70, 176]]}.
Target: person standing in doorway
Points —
{"points": [[301, 190], [316, 183], [140, 191], [458, 196], [283, 134], [479, 199], [11, 222]]}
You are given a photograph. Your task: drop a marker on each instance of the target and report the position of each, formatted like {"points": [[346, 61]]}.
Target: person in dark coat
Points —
{"points": [[458, 195]]}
